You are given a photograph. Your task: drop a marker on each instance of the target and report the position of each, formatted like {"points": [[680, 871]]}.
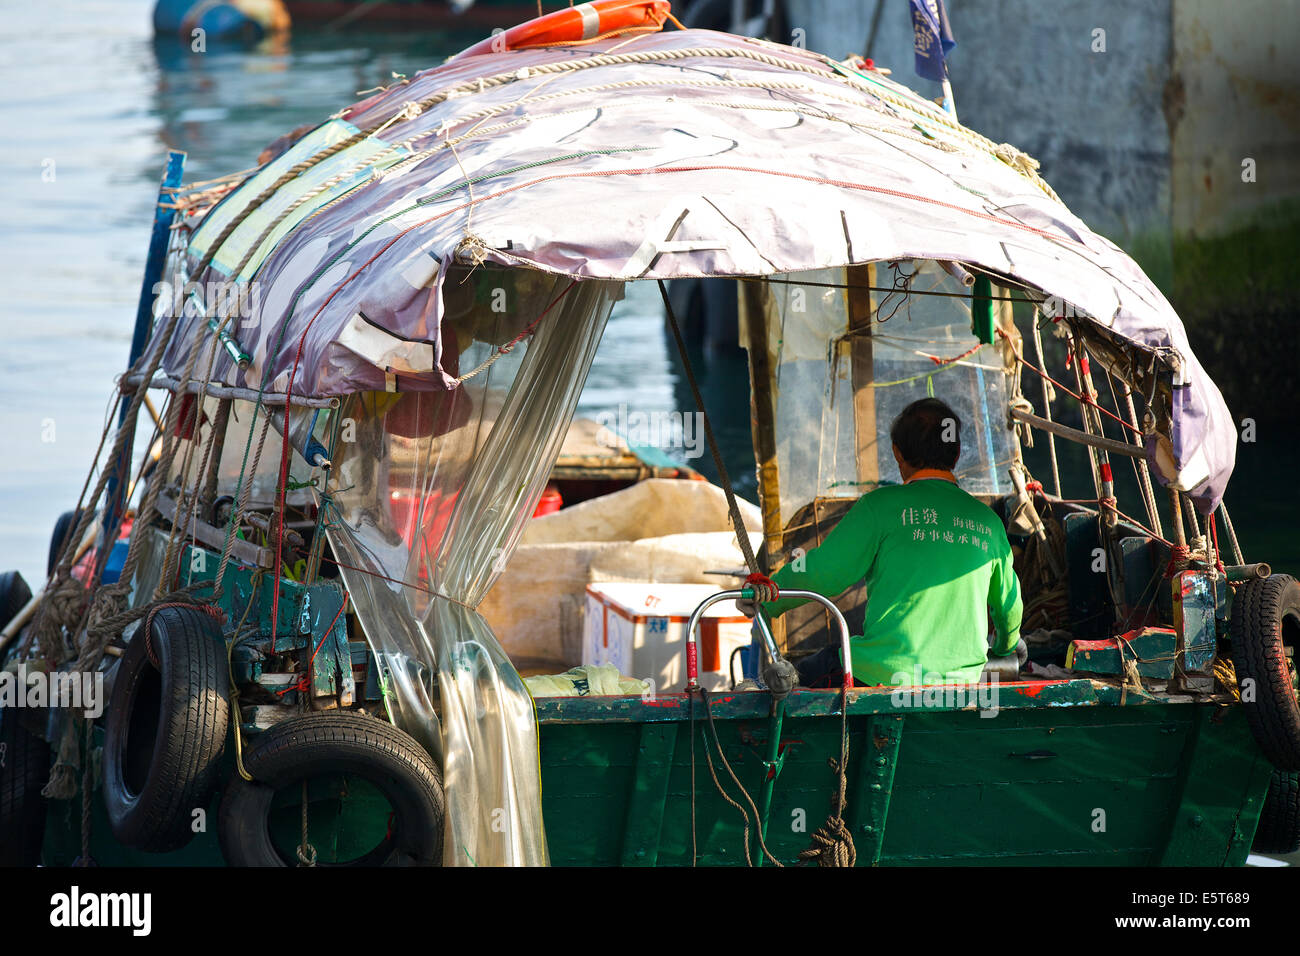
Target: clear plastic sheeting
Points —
{"points": [[431, 491], [490, 767], [926, 348], [913, 348], [804, 325], [239, 450], [659, 529]]}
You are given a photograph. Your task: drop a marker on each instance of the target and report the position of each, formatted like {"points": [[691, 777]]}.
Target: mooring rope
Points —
{"points": [[758, 821], [832, 842]]}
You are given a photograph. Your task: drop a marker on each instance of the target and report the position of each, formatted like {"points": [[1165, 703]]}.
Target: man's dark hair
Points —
{"points": [[928, 434]]}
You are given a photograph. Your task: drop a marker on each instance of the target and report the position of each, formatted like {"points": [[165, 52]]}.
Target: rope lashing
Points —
{"points": [[1180, 556], [758, 822], [210, 609], [1214, 536], [1131, 677], [1109, 506], [306, 852], [781, 678], [472, 250], [764, 588], [827, 70], [1017, 160], [832, 843]]}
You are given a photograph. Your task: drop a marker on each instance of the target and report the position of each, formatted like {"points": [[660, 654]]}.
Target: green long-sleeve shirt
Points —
{"points": [[934, 559]]}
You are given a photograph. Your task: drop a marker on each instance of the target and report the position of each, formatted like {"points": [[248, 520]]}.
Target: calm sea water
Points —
{"points": [[90, 104]]}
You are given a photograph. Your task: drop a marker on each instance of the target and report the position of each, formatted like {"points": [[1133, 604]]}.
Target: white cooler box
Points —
{"points": [[640, 628]]}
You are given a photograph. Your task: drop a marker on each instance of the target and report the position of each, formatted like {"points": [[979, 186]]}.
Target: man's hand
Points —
{"points": [[764, 591], [1020, 652]]}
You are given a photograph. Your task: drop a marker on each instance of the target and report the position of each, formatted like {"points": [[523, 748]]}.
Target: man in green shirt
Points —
{"points": [[934, 559]]}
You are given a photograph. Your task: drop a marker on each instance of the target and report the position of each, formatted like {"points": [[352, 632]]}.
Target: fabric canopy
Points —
{"points": [[688, 153]]}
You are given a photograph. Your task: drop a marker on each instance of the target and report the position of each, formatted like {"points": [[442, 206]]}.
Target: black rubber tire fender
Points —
{"points": [[24, 769], [1265, 622], [1279, 822], [336, 742], [166, 729], [64, 525], [14, 595]]}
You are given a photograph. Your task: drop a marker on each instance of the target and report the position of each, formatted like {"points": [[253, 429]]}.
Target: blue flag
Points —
{"points": [[932, 37]]}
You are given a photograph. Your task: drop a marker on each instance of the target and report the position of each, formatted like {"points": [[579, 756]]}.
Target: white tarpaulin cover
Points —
{"points": [[684, 153]]}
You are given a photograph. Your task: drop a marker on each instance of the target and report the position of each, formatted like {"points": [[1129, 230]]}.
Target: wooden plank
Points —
{"points": [[1075, 435], [1009, 789], [756, 705], [861, 308], [964, 789], [214, 537]]}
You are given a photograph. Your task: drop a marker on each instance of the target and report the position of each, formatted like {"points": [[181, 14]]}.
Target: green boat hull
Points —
{"points": [[1060, 774]]}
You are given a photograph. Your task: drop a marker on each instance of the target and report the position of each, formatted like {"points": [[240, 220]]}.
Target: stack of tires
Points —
{"points": [[167, 725], [165, 759], [24, 758]]}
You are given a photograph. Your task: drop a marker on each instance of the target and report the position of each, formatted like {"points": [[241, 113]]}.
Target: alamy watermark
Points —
{"points": [[663, 430], [217, 299], [80, 909], [65, 690], [928, 689]]}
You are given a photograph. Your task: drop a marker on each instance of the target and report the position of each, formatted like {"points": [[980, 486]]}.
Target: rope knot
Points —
{"points": [[765, 589], [832, 843], [1016, 159], [1179, 556], [471, 249]]}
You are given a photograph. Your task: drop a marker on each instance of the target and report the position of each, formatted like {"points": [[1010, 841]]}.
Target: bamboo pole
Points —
{"points": [[1047, 403]]}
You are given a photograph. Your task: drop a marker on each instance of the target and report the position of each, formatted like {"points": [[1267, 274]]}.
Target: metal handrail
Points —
{"points": [[692, 651]]}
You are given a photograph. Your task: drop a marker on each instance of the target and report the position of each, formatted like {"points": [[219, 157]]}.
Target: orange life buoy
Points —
{"points": [[586, 21]]}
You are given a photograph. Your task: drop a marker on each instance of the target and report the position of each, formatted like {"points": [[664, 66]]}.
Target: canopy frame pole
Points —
{"points": [[1232, 534], [1102, 475], [1139, 464], [1198, 537], [1047, 401], [1074, 435], [1176, 511], [160, 239], [1076, 346]]}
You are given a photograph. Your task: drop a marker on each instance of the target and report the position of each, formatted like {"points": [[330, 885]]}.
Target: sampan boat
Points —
{"points": [[360, 425]]}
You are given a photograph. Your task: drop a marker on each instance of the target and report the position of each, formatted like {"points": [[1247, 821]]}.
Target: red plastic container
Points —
{"points": [[550, 502]]}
